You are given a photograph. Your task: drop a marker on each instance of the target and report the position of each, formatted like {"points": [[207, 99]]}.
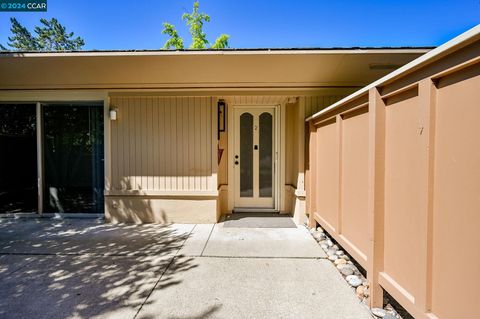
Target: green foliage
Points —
{"points": [[195, 21], [50, 36], [21, 39], [221, 42], [175, 40]]}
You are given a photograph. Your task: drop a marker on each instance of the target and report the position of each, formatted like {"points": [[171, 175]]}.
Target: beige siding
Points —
{"points": [[314, 104], [256, 99], [162, 144], [291, 149]]}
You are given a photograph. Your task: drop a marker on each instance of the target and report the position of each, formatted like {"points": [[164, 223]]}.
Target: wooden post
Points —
{"points": [[311, 191], [301, 145], [427, 93], [338, 123], [376, 200], [299, 196]]}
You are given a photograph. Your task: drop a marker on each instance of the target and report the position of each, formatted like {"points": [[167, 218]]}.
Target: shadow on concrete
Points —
{"points": [[85, 268]]}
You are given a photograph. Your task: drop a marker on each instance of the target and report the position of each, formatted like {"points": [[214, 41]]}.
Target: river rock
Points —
{"points": [[379, 312], [332, 257], [366, 292], [360, 290], [355, 281], [318, 236], [331, 252], [340, 261], [346, 271]]}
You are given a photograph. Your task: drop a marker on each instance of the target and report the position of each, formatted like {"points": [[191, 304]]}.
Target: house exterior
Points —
{"points": [[169, 136], [387, 162]]}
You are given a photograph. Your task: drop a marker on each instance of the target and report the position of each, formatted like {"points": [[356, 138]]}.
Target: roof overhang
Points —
{"points": [[201, 69]]}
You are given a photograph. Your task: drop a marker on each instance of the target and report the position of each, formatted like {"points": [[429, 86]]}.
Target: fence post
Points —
{"points": [[339, 122], [376, 201], [311, 191], [427, 93]]}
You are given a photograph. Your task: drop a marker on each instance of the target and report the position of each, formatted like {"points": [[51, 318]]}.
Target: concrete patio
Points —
{"points": [[88, 269]]}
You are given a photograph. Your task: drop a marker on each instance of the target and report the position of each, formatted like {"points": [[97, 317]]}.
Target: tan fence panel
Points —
{"points": [[407, 173], [327, 173], [354, 181], [456, 220], [405, 197]]}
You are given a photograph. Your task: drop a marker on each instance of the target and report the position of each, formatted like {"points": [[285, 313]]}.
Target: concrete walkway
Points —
{"points": [[87, 269]]}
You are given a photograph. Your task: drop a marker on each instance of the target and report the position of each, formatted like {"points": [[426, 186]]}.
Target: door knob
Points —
{"points": [[236, 162]]}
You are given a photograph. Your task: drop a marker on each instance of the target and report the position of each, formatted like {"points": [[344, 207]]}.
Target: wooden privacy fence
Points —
{"points": [[394, 176]]}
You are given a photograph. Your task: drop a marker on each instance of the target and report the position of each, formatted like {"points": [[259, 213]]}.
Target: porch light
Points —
{"points": [[113, 114], [221, 115]]}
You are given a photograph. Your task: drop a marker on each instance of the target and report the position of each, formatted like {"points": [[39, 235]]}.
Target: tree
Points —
{"points": [[221, 42], [50, 36], [175, 40], [195, 21], [21, 39]]}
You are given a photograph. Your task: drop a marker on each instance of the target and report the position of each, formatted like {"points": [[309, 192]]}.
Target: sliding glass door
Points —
{"points": [[73, 158], [18, 158], [64, 140]]}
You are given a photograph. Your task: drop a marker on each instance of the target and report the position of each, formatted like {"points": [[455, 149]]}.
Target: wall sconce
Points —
{"points": [[113, 114], [221, 116]]}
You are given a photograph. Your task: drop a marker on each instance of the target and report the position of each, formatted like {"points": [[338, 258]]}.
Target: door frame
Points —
{"points": [[279, 141]]}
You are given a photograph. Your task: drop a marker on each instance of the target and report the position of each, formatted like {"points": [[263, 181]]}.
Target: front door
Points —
{"points": [[254, 158]]}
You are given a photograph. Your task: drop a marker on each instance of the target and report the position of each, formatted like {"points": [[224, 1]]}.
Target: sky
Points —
{"points": [[137, 24]]}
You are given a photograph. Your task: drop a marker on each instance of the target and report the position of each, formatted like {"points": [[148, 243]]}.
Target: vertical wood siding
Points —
{"points": [[313, 104], [162, 143]]}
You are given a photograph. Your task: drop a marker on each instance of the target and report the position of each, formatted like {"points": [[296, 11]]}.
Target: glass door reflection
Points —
{"points": [[73, 158], [18, 159]]}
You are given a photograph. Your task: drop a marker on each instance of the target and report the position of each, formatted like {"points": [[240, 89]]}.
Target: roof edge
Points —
{"points": [[261, 51]]}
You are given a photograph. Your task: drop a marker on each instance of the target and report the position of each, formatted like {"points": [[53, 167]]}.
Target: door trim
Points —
{"points": [[279, 171]]}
